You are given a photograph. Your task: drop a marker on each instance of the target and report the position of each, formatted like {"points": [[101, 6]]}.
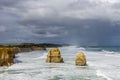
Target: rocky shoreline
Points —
{"points": [[7, 52]]}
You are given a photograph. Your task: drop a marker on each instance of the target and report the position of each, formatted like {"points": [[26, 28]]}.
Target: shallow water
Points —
{"points": [[32, 66]]}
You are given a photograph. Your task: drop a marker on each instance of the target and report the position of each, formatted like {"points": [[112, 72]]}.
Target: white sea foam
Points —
{"points": [[108, 52], [44, 56], [99, 73], [107, 65]]}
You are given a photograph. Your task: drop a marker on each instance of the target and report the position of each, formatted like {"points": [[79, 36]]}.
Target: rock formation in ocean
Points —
{"points": [[6, 56], [80, 59], [54, 56]]}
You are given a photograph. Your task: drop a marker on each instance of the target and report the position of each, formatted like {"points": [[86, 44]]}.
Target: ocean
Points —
{"points": [[102, 64]]}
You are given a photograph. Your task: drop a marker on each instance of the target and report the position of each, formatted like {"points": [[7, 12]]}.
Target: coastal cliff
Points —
{"points": [[6, 56], [7, 53]]}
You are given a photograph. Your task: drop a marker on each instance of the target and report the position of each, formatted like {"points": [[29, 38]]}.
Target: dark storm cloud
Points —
{"points": [[85, 22], [6, 3]]}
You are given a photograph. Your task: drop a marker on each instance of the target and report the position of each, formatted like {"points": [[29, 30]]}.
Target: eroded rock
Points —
{"points": [[6, 56], [80, 59], [54, 56]]}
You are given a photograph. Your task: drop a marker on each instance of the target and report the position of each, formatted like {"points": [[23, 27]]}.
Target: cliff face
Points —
{"points": [[38, 48], [27, 49], [80, 59], [6, 56], [54, 56], [19, 50]]}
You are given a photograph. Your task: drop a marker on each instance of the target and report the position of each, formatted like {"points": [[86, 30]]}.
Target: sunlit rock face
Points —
{"points": [[80, 59], [6, 56], [54, 56]]}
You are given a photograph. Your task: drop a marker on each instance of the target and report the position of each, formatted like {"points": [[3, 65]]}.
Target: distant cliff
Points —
{"points": [[34, 44], [27, 47]]}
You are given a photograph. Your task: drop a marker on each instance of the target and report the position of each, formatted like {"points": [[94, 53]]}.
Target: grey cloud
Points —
{"points": [[85, 22], [2, 28], [6, 3]]}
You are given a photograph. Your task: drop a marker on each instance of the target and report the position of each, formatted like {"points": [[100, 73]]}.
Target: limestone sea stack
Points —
{"points": [[54, 56], [80, 59], [6, 56]]}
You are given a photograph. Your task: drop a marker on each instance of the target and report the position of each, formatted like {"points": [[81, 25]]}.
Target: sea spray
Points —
{"points": [[99, 73]]}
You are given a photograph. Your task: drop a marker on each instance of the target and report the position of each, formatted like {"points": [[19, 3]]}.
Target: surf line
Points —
{"points": [[99, 73]]}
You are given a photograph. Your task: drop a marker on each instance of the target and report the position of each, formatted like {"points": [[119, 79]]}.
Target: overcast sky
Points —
{"points": [[81, 22]]}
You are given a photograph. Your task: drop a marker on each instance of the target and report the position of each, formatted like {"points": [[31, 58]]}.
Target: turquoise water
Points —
{"points": [[102, 65], [103, 48]]}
